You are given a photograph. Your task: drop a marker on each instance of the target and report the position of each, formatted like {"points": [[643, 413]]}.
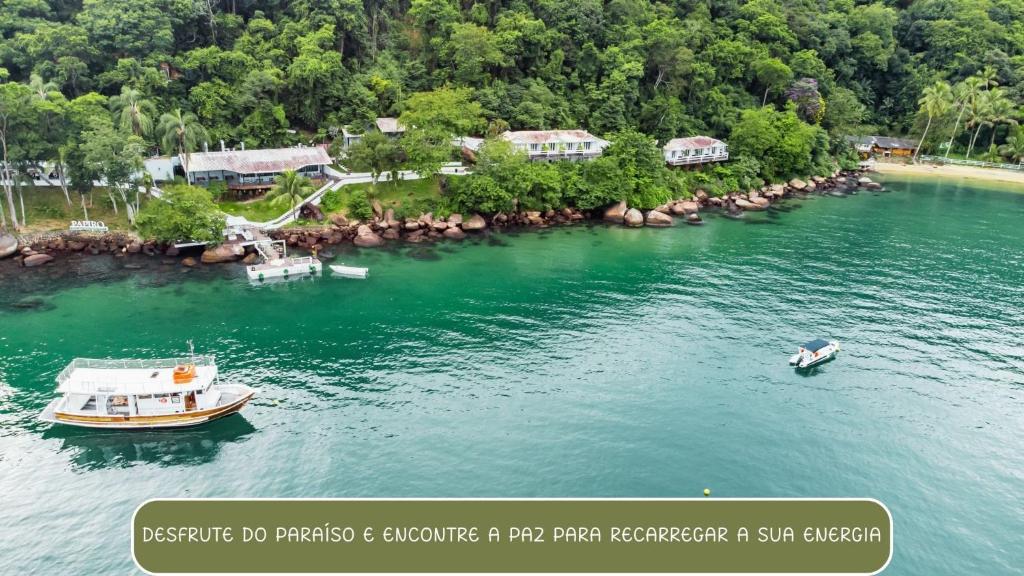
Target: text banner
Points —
{"points": [[851, 536]]}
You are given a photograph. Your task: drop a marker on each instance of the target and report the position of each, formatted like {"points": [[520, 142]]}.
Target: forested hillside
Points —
{"points": [[249, 69], [272, 73]]}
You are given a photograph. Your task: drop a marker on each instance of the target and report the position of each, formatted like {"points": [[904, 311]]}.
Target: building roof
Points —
{"points": [[470, 142], [887, 142], [691, 143], [551, 137], [258, 161], [389, 125], [347, 134], [867, 142]]}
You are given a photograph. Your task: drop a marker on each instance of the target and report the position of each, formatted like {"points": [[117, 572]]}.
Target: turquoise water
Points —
{"points": [[571, 362]]}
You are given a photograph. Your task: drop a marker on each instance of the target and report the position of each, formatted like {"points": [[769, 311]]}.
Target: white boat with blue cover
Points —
{"points": [[814, 352]]}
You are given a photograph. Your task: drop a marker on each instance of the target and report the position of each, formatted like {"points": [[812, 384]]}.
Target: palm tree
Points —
{"points": [[1013, 149], [966, 92], [990, 76], [978, 116], [1002, 111], [40, 88], [290, 189], [935, 101], [134, 112], [180, 132]]}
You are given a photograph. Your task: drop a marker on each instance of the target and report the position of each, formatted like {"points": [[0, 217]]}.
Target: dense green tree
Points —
{"points": [[374, 153], [182, 213], [115, 156]]}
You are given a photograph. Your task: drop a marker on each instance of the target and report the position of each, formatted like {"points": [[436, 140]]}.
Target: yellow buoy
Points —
{"points": [[707, 491]]}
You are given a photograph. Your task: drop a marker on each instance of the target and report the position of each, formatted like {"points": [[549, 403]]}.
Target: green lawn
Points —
{"points": [[407, 195], [402, 195], [47, 209], [259, 210]]}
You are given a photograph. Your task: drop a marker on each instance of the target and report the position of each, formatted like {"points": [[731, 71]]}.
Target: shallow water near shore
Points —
{"points": [[587, 361]]}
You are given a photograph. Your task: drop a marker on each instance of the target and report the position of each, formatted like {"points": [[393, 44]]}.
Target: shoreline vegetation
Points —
{"points": [[383, 227]]}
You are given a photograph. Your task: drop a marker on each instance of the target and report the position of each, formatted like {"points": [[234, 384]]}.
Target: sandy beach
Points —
{"points": [[951, 172]]}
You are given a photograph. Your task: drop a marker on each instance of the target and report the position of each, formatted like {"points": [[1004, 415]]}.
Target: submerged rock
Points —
{"points": [[367, 238], [454, 233], [36, 260], [475, 222], [746, 205], [222, 253], [658, 219], [189, 262], [8, 245], [617, 213], [634, 218]]}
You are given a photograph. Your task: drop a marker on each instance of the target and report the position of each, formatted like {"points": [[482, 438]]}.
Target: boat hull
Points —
{"points": [[142, 422], [283, 271]]}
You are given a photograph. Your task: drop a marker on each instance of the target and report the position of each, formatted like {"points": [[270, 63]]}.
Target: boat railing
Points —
{"points": [[113, 364]]}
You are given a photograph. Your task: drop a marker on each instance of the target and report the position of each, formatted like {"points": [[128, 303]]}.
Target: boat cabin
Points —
{"points": [[127, 388]]}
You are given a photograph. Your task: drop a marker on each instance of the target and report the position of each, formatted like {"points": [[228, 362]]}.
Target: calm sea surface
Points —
{"points": [[571, 362]]}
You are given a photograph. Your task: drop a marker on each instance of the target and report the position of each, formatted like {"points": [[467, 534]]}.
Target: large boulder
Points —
{"points": [[378, 210], [658, 219], [454, 219], [389, 219], [617, 213], [222, 253], [689, 206], [440, 225], [743, 204], [797, 184], [761, 202], [8, 245], [339, 220], [367, 238], [36, 260], [454, 233], [633, 218], [864, 181], [475, 222]]}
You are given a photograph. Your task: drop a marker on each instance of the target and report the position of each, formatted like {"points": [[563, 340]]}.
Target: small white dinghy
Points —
{"points": [[349, 271], [814, 352]]}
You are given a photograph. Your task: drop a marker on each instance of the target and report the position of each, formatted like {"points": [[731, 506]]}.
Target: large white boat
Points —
{"points": [[814, 352], [138, 394], [277, 264]]}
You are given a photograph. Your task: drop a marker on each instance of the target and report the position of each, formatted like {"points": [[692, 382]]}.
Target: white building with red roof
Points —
{"points": [[695, 150], [255, 169], [550, 145]]}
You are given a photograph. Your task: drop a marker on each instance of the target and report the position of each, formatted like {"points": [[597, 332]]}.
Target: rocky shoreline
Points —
{"points": [[40, 249]]}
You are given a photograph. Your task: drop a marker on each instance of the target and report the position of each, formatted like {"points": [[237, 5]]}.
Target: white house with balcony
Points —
{"points": [[550, 145], [695, 150], [255, 170]]}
